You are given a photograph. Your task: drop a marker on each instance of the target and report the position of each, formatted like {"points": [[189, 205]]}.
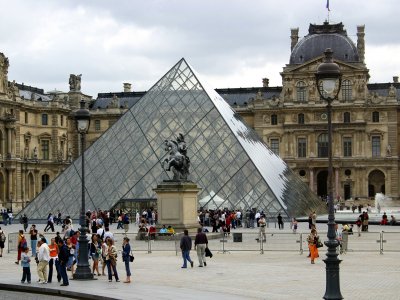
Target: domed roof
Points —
{"points": [[321, 37]]}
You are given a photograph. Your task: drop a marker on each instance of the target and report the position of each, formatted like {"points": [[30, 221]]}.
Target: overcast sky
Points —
{"points": [[231, 43]]}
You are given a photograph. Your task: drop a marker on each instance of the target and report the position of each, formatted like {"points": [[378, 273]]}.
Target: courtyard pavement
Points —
{"points": [[276, 274]]}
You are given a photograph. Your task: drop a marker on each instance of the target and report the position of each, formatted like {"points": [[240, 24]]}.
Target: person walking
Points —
{"points": [[22, 244], [359, 223], [111, 260], [34, 234], [312, 245], [186, 246], [95, 252], [50, 223], [280, 221], [200, 244], [2, 241], [63, 256], [43, 258], [53, 248], [26, 266], [262, 223], [25, 222], [126, 251]]}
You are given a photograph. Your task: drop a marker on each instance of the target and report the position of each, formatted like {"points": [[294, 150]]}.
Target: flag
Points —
{"points": [[327, 5]]}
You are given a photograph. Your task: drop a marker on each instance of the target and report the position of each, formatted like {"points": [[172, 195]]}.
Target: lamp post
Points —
{"points": [[328, 77], [82, 117]]}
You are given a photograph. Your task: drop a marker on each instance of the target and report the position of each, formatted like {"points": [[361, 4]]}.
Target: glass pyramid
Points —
{"points": [[229, 161]]}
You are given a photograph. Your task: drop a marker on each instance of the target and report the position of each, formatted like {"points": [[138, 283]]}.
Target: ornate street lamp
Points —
{"points": [[82, 117], [329, 81]]}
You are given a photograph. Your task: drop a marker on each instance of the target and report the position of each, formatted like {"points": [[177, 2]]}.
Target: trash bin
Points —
{"points": [[237, 237]]}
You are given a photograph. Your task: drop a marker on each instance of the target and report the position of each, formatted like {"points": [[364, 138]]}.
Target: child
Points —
{"points": [[25, 263]]}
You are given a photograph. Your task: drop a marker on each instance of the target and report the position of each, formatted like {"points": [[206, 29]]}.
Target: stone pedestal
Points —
{"points": [[177, 205]]}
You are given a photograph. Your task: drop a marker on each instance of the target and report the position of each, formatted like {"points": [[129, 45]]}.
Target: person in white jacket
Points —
{"points": [[43, 260]]}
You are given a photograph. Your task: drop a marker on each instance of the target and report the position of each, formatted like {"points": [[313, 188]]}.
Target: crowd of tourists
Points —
{"points": [[60, 254]]}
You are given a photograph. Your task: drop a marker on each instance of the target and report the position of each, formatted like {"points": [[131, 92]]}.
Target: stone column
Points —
{"points": [[177, 205], [312, 179], [336, 182]]}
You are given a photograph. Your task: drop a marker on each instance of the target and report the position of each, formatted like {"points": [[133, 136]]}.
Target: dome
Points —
{"points": [[321, 37]]}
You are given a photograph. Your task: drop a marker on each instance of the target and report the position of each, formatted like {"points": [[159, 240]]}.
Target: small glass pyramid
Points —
{"points": [[229, 161]]}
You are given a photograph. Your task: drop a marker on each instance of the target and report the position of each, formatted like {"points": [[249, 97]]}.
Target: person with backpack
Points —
{"points": [[22, 244], [2, 241]]}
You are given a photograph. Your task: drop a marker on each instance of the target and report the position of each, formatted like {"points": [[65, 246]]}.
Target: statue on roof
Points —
{"points": [[4, 64], [392, 91], [178, 162], [75, 82]]}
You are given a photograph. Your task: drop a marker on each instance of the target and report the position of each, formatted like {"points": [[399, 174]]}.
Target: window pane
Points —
{"points": [[376, 146], [45, 181], [302, 147], [346, 117], [275, 146], [301, 91], [323, 145], [44, 119], [274, 120], [346, 90], [300, 118], [45, 149], [347, 146], [375, 117], [97, 125]]}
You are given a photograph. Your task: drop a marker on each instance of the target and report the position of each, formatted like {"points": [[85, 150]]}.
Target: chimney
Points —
{"points": [[294, 36], [395, 79], [127, 87], [361, 42], [265, 82]]}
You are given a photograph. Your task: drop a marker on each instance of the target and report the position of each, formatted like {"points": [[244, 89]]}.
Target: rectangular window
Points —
{"points": [[45, 149], [61, 120], [26, 118], [376, 146], [97, 125], [347, 146], [274, 146], [301, 147], [44, 119]]}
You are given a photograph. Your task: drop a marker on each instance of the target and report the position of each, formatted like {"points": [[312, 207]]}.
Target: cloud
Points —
{"points": [[233, 43]]}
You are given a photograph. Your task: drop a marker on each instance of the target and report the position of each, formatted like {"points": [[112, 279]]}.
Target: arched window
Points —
{"points": [[301, 91], [45, 181], [346, 117], [300, 118], [323, 145], [375, 117], [274, 119], [346, 90]]}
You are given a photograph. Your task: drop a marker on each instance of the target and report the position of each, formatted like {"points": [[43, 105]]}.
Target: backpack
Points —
{"points": [[2, 237], [23, 244]]}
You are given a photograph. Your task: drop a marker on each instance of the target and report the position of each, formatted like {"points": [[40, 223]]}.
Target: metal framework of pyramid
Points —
{"points": [[229, 161]]}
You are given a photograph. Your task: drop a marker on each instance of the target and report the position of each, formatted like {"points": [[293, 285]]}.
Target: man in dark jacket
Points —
{"points": [[200, 244], [186, 246], [63, 256]]}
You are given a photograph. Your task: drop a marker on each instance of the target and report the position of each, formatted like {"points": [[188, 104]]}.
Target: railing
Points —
{"points": [[249, 241]]}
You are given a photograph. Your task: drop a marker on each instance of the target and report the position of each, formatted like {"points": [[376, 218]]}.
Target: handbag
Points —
{"points": [[208, 252], [131, 257], [319, 243]]}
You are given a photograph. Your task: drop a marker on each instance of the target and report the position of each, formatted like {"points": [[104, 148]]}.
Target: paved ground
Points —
{"points": [[278, 274]]}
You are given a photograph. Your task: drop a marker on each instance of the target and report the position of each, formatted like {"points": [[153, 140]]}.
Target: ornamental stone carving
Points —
{"points": [[75, 82]]}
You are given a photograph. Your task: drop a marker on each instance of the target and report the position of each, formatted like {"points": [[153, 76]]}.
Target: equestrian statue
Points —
{"points": [[178, 162]]}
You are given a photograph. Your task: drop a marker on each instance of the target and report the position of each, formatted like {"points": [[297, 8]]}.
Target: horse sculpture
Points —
{"points": [[177, 162]]}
